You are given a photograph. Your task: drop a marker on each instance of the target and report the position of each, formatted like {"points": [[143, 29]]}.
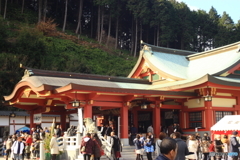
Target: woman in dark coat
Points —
{"points": [[87, 147], [97, 147]]}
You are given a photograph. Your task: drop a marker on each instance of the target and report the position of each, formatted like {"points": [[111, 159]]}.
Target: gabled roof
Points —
{"points": [[182, 65]]}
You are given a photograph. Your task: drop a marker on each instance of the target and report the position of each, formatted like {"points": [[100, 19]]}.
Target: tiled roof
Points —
{"points": [[23, 113], [178, 65]]}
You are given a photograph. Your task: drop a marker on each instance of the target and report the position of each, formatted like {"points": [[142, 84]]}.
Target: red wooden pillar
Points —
{"points": [[181, 119], [209, 115], [135, 117], [124, 125], [156, 120], [63, 121], [87, 112]]}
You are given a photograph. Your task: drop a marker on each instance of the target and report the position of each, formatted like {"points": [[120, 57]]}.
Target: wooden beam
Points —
{"points": [[107, 104]]}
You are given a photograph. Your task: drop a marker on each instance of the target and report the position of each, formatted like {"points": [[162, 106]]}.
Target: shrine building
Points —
{"points": [[166, 86]]}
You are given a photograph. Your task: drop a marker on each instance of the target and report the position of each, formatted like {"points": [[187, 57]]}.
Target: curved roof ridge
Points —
{"points": [[169, 50], [200, 54]]}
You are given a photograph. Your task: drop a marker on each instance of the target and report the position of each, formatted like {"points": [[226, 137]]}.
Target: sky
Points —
{"points": [[232, 7]]}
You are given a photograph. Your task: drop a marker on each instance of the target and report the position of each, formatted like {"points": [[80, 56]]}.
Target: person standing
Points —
{"points": [[58, 131], [133, 132], [97, 147], [192, 147], [162, 135], [87, 147], [54, 147], [17, 149], [225, 146], [182, 149], [233, 146], [138, 147], [148, 146], [108, 133], [218, 147], [8, 146], [116, 146], [205, 148], [150, 129]]}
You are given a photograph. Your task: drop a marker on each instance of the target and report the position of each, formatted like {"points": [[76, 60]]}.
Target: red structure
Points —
{"points": [[166, 86]]}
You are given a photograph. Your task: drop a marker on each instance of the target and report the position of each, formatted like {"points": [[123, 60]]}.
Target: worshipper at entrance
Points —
{"points": [[233, 146], [168, 149], [138, 147], [87, 146], [218, 147], [8, 147], [192, 147], [54, 147], [17, 149]]}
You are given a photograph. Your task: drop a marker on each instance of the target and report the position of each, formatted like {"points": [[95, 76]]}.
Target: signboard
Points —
{"points": [[37, 118]]}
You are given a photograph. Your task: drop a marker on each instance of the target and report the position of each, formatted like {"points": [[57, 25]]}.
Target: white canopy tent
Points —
{"points": [[226, 125]]}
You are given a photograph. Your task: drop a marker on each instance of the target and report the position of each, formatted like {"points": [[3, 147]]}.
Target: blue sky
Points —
{"points": [[232, 7]]}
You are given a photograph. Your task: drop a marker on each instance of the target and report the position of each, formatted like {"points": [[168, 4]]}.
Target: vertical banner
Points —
{"points": [[80, 120], [37, 118], [119, 123]]}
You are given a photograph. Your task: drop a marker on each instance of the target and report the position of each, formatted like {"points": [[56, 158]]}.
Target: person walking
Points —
{"points": [[17, 149], [54, 147], [97, 147], [87, 147], [233, 146], [182, 149], [116, 146], [148, 146], [161, 136], [138, 147]]}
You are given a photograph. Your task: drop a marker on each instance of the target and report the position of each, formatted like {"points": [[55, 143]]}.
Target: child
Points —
{"points": [[211, 150]]}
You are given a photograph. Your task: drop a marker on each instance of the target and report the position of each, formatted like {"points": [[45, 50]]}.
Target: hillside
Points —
{"points": [[43, 46]]}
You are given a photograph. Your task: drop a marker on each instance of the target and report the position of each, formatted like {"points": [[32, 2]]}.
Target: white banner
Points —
{"points": [[37, 118], [80, 120]]}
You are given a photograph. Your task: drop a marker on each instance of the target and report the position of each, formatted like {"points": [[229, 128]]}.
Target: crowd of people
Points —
{"points": [[23, 145], [192, 147]]}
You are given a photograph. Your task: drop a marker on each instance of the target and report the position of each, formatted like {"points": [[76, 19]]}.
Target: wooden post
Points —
{"points": [[63, 121], [87, 113], [156, 120], [124, 125], [209, 114]]}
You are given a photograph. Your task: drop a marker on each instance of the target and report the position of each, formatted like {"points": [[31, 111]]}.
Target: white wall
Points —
{"points": [[16, 128], [4, 121]]}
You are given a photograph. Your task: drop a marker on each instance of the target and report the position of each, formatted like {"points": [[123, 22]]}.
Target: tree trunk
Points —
{"points": [[79, 18], [92, 22], [116, 35], [140, 36], [0, 7], [102, 19], [23, 5], [136, 38], [39, 10], [44, 10], [158, 35], [5, 10], [99, 23], [109, 28], [65, 16], [132, 38]]}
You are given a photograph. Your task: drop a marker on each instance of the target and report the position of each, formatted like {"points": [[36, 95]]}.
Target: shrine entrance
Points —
{"points": [[169, 117]]}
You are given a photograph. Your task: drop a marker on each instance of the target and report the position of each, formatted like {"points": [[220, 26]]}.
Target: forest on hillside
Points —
{"points": [[123, 23], [100, 36]]}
